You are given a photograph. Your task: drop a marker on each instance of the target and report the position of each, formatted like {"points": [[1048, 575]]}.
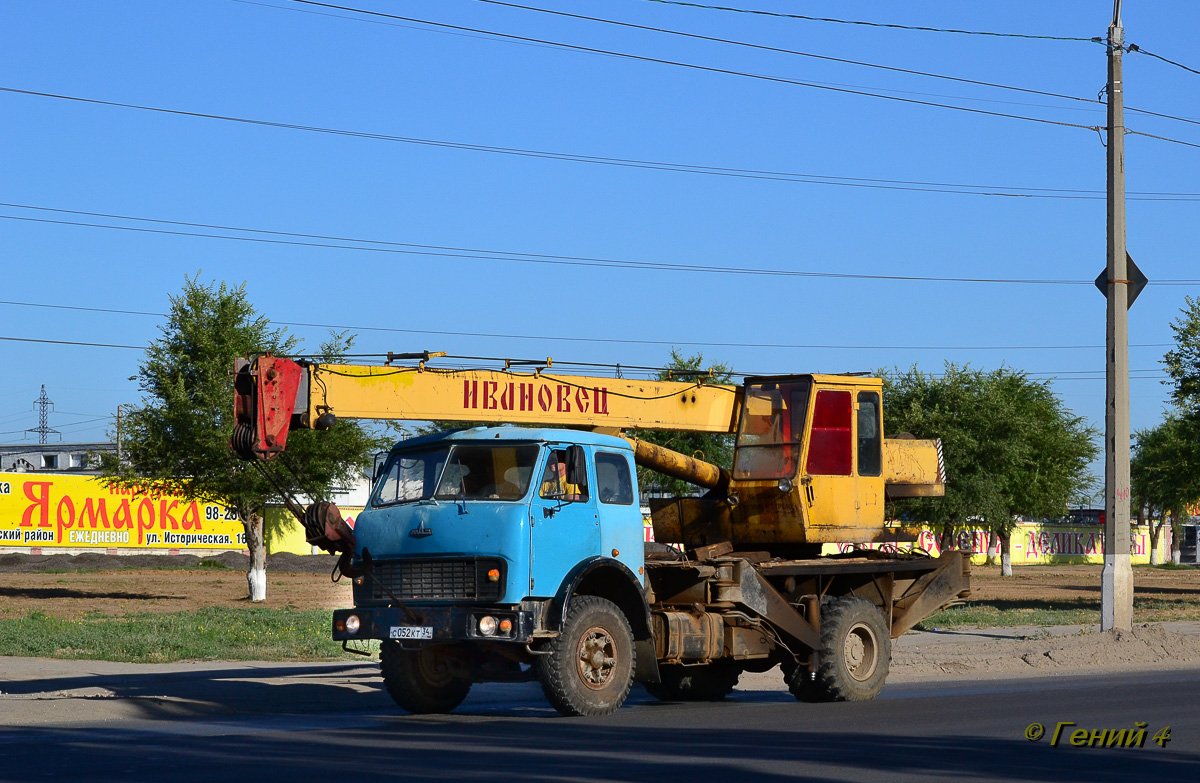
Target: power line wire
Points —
{"points": [[706, 68], [608, 263], [744, 74], [814, 179], [546, 338], [1077, 374], [736, 43], [71, 342], [507, 256], [1140, 50], [780, 50], [444, 251], [1162, 138], [802, 17], [861, 63], [687, 168], [369, 21], [74, 424]]}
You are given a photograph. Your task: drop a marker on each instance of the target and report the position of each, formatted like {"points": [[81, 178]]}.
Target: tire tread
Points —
{"points": [[556, 669], [399, 669]]}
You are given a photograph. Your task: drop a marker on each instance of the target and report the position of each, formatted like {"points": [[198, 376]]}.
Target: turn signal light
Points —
{"points": [[506, 627], [494, 575]]}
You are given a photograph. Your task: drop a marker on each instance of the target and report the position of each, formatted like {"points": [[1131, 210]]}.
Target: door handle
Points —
{"points": [[812, 498]]}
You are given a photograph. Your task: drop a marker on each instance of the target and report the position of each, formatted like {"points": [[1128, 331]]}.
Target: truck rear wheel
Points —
{"points": [[421, 681], [708, 682], [855, 653], [589, 668]]}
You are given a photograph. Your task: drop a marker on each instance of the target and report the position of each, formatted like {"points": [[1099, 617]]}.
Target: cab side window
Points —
{"points": [[554, 479], [870, 438], [613, 483]]}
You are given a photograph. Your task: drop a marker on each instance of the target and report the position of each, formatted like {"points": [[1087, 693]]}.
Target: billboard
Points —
{"points": [[1033, 544], [79, 512]]}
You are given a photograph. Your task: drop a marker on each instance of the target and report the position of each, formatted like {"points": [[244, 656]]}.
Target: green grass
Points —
{"points": [[207, 634], [994, 614]]}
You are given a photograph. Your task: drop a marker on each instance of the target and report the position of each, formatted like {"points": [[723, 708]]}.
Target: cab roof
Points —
{"points": [[523, 434]]}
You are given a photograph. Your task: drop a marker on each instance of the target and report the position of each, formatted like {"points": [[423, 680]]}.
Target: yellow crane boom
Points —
{"points": [[423, 393]]}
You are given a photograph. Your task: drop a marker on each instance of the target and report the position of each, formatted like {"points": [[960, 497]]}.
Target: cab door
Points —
{"points": [[829, 483], [868, 458], [564, 528]]}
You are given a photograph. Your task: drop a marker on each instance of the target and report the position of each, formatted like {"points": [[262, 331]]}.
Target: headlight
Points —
{"points": [[353, 624], [487, 625], [785, 485]]}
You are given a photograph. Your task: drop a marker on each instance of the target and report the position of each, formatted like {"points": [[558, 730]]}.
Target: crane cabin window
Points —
{"points": [[829, 448], [870, 435], [771, 429]]}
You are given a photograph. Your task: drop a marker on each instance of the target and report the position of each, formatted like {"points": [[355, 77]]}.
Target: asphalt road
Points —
{"points": [[296, 722]]}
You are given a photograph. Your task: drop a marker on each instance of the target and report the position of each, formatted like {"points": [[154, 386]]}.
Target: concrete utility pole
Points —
{"points": [[1116, 580]]}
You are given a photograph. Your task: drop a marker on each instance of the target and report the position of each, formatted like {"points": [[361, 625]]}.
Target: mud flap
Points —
{"points": [[647, 662]]}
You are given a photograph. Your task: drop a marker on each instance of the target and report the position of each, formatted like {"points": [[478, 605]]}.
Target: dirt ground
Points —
{"points": [[70, 586], [1069, 583], [75, 586]]}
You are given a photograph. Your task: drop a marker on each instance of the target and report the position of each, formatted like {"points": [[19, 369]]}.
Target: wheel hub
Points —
{"points": [[596, 658], [860, 652], [433, 666]]}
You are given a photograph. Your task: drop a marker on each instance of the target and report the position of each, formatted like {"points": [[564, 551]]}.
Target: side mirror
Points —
{"points": [[576, 466], [377, 467]]}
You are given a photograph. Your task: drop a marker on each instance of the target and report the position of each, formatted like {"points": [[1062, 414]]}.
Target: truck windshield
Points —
{"points": [[771, 430], [499, 472], [411, 475]]}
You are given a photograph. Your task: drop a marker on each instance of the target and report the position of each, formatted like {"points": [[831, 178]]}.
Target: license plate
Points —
{"points": [[411, 632]]}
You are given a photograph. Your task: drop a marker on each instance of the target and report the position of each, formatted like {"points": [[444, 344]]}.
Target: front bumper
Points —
{"points": [[445, 624]]}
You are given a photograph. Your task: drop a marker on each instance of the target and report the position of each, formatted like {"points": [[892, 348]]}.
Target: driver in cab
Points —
{"points": [[554, 480]]}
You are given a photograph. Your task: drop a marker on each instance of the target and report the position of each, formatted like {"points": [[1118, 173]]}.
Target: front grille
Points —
{"points": [[442, 579]]}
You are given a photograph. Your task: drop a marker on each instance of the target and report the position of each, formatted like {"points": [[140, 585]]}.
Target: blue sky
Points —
{"points": [[286, 62]]}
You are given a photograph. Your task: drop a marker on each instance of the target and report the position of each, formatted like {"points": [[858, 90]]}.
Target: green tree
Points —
{"points": [[177, 439], [1011, 447], [1164, 474], [716, 448], [1183, 361], [1183, 366]]}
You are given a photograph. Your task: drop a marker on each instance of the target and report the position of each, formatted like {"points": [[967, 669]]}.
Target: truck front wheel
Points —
{"points": [[589, 668], [855, 653], [422, 681]]}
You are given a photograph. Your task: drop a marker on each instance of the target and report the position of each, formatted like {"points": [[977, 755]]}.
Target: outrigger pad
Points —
{"points": [[324, 527]]}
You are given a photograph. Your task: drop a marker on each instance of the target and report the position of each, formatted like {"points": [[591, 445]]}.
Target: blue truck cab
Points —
{"points": [[475, 545]]}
